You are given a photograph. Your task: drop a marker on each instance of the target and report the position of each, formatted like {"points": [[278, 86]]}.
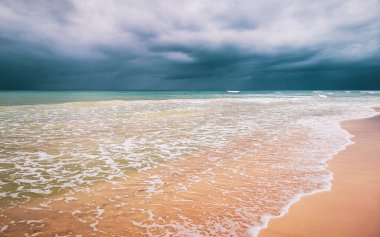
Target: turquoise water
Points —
{"points": [[201, 155], [55, 97]]}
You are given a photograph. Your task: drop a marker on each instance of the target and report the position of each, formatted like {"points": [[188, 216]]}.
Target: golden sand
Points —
{"points": [[131, 209], [352, 207]]}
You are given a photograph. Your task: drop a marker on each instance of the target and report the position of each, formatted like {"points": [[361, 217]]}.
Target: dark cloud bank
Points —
{"points": [[168, 45]]}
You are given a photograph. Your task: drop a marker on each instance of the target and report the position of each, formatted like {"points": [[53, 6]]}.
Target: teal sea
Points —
{"points": [[54, 97], [165, 163]]}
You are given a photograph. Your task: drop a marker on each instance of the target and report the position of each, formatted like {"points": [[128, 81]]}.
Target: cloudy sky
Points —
{"points": [[197, 44]]}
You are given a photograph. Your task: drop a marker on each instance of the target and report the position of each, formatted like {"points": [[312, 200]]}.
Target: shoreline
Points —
{"points": [[98, 209], [304, 215]]}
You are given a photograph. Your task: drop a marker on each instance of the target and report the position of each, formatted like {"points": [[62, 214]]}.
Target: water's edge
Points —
{"points": [[258, 153], [255, 231]]}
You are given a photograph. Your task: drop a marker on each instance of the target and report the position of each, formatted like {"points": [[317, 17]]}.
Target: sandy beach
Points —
{"points": [[352, 207], [191, 167], [189, 118]]}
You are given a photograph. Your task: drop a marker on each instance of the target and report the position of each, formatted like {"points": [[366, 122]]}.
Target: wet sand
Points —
{"points": [[215, 193], [188, 197], [352, 207]]}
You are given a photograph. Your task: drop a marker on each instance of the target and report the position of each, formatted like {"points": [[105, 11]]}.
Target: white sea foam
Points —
{"points": [[265, 219], [3, 228], [52, 147]]}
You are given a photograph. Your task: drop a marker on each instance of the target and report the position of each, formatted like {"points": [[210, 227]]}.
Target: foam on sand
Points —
{"points": [[205, 167]]}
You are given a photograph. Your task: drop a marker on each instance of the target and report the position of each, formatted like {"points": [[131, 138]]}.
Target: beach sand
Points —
{"points": [[352, 207], [154, 202]]}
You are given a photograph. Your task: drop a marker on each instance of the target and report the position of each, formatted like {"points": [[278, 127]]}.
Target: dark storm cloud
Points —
{"points": [[118, 45]]}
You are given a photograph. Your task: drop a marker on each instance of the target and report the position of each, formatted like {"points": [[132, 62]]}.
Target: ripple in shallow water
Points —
{"points": [[187, 167]]}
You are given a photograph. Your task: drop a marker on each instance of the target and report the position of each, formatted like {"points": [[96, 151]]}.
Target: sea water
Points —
{"points": [[164, 163]]}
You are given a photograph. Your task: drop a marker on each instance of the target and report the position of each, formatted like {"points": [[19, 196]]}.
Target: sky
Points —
{"points": [[189, 45]]}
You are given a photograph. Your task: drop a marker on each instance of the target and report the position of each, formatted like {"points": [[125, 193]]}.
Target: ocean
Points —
{"points": [[164, 163]]}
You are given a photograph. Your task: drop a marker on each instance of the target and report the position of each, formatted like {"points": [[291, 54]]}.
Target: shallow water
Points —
{"points": [[187, 164]]}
